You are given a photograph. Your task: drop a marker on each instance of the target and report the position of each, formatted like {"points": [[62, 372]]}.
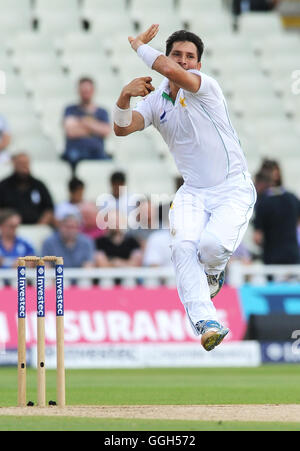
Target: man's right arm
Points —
{"points": [[139, 87]]}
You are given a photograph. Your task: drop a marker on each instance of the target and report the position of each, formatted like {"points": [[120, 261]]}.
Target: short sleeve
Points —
{"points": [[69, 111], [102, 115], [144, 107], [209, 90]]}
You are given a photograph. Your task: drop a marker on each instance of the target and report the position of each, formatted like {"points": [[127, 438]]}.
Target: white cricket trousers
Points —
{"points": [[206, 226]]}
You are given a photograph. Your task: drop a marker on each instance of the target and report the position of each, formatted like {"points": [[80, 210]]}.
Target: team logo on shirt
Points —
{"points": [[162, 117], [182, 102]]}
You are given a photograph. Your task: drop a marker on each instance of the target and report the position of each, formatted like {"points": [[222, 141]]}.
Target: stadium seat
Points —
{"points": [[227, 44], [10, 23], [66, 7], [105, 24], [37, 146], [135, 147], [205, 6], [59, 23], [281, 43], [96, 176], [150, 178], [91, 8], [252, 107], [260, 24], [282, 145], [93, 64], [278, 65], [20, 106], [35, 235], [30, 42], [232, 64], [15, 87], [255, 84], [36, 64], [54, 85], [205, 25], [50, 171], [78, 42]]}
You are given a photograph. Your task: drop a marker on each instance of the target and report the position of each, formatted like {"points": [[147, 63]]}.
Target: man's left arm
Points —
{"points": [[162, 64]]}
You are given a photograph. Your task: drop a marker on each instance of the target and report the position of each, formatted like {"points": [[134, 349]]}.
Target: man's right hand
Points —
{"points": [[139, 87]]}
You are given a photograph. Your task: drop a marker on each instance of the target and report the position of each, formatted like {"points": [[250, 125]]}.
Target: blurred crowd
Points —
{"points": [[85, 239], [79, 233]]}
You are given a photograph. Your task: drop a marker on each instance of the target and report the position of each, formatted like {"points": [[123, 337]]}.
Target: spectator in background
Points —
{"points": [[26, 194], [119, 199], [116, 249], [86, 126], [157, 249], [276, 218], [272, 168], [89, 212], [5, 140], [145, 222], [76, 249], [242, 6], [262, 181], [76, 196], [11, 246]]}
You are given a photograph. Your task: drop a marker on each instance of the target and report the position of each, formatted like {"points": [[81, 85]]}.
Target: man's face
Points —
{"points": [[9, 227], [86, 91], [21, 165], [69, 229], [116, 189], [185, 54]]}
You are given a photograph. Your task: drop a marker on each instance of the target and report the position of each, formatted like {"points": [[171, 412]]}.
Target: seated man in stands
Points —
{"points": [[89, 227], [116, 249], [76, 249], [11, 246], [26, 194], [86, 125], [4, 139], [72, 205]]}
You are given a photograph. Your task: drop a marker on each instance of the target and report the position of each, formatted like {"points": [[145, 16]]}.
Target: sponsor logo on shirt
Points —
{"points": [[162, 117]]}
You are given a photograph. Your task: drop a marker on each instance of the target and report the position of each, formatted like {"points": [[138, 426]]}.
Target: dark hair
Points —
{"points": [[182, 36], [270, 165], [75, 184], [118, 177], [86, 80]]}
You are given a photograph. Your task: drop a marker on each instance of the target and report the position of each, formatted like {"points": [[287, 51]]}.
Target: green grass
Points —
{"points": [[94, 424], [264, 385]]}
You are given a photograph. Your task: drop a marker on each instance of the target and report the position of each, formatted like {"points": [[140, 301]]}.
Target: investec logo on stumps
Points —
{"points": [[21, 292], [59, 291], [40, 291]]}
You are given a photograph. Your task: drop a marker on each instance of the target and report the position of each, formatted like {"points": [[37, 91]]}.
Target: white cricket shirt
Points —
{"points": [[197, 130]]}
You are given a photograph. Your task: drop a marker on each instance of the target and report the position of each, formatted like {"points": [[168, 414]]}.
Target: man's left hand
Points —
{"points": [[144, 38]]}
